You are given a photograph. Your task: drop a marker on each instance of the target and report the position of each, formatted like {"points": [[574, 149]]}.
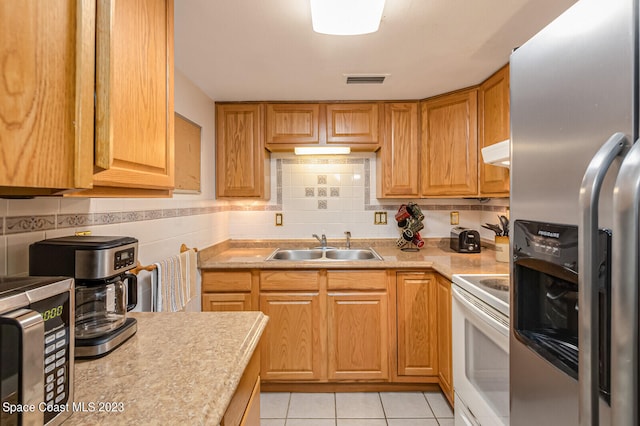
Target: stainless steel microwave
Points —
{"points": [[36, 350]]}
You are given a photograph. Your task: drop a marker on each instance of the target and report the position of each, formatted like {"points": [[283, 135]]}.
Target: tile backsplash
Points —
{"points": [[332, 195]]}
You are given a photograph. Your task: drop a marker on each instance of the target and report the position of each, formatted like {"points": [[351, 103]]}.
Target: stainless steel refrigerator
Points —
{"points": [[575, 184]]}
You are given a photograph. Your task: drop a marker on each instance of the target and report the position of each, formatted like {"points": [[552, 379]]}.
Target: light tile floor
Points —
{"points": [[355, 409]]}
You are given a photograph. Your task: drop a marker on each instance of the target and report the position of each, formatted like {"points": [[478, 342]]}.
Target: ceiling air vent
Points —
{"points": [[366, 79]]}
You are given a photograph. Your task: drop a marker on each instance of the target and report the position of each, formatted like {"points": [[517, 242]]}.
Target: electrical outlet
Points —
{"points": [[455, 218], [380, 218], [279, 219]]}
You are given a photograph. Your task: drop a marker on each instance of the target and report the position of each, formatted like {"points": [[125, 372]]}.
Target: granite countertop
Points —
{"points": [[179, 368], [436, 254]]}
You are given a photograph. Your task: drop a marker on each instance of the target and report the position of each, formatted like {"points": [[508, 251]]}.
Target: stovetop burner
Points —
{"points": [[493, 289]]}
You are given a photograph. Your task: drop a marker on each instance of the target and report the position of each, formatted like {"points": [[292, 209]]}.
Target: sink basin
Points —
{"points": [[304, 254], [352, 254], [326, 255]]}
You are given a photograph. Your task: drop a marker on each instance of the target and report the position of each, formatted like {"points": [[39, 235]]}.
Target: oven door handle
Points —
{"points": [[588, 264], [478, 311]]}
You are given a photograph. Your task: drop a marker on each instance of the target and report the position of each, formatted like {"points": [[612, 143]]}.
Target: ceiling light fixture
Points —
{"points": [[321, 150], [346, 17]]}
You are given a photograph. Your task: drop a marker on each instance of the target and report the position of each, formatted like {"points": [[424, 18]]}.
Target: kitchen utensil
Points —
{"points": [[494, 228], [504, 221]]}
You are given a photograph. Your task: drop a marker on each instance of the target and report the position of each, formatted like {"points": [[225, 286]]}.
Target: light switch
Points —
{"points": [[279, 220], [455, 218]]}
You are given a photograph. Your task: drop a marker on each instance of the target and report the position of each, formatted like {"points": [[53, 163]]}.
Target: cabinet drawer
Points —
{"points": [[225, 302], [288, 280], [226, 281], [357, 280]]}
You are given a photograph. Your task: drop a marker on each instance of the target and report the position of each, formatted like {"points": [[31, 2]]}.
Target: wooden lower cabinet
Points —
{"points": [[291, 344], [417, 324], [244, 408], [229, 291], [344, 327], [358, 336], [445, 370]]}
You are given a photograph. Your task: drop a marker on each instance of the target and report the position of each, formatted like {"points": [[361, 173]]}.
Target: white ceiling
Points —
{"points": [[238, 50]]}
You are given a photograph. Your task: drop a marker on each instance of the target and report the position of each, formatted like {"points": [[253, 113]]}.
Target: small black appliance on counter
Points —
{"points": [[104, 292], [465, 240]]}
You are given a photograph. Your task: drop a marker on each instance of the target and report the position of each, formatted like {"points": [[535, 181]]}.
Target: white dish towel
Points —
{"points": [[173, 283]]}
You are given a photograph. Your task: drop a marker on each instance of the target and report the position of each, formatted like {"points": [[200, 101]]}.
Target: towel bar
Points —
{"points": [[184, 248], [139, 268]]}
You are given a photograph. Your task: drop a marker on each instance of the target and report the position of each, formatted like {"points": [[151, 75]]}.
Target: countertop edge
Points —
{"points": [[247, 349]]}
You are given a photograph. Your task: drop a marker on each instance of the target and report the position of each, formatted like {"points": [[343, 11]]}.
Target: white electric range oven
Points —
{"points": [[480, 337]]}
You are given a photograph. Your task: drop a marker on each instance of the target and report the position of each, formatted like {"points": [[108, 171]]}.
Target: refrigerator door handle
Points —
{"points": [[588, 263], [624, 291]]}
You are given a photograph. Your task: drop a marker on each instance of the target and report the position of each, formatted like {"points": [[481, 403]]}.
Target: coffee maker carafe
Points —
{"points": [[104, 293]]}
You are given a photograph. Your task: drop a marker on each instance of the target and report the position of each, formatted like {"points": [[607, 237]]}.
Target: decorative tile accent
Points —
{"points": [[169, 213], [322, 204], [309, 192], [322, 179], [73, 220], [107, 218], [132, 216], [18, 224], [322, 192], [334, 191], [152, 214]]}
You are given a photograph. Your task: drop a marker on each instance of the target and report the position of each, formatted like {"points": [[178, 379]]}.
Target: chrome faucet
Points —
{"points": [[348, 235], [323, 240]]}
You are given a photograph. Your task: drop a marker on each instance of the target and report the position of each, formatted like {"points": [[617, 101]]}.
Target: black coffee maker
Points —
{"points": [[104, 291]]}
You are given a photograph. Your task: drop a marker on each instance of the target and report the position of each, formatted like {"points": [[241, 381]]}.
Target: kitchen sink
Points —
{"points": [[352, 254], [326, 255], [304, 254]]}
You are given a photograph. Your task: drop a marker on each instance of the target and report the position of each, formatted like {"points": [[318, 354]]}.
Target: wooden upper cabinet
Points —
{"points": [[134, 92], [450, 145], [47, 57], [292, 124], [353, 124], [242, 163], [493, 127], [399, 155]]}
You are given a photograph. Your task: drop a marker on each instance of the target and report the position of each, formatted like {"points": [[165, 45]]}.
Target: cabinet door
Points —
{"points": [[358, 336], [353, 124], [292, 124], [445, 370], [134, 94], [449, 145], [46, 95], [242, 163], [222, 302], [291, 343], [417, 324], [493, 127], [399, 155]]}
